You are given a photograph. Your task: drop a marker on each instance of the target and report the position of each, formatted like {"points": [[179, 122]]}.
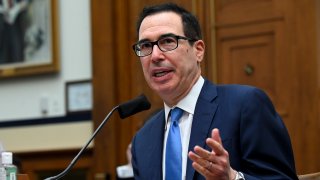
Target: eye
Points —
{"points": [[167, 41], [144, 45]]}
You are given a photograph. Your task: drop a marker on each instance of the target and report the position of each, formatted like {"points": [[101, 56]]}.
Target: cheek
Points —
{"points": [[145, 69], [143, 64]]}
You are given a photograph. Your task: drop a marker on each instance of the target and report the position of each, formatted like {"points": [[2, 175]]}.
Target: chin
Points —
{"points": [[164, 90]]}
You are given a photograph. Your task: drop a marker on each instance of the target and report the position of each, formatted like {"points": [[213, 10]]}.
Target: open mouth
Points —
{"points": [[161, 73]]}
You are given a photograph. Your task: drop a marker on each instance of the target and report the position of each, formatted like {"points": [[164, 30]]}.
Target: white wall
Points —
{"points": [[20, 97]]}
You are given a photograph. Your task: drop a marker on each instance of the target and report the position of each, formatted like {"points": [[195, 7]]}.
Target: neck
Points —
{"points": [[174, 99]]}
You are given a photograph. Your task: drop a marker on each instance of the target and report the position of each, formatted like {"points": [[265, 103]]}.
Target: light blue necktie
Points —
{"points": [[174, 148]]}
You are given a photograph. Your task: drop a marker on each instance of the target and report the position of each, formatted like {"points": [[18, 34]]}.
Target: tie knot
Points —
{"points": [[176, 114]]}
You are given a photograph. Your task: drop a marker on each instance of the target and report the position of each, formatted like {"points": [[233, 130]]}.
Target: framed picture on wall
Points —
{"points": [[78, 96], [28, 37]]}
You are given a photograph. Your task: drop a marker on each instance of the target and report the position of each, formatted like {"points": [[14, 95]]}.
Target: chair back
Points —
{"points": [[311, 176]]}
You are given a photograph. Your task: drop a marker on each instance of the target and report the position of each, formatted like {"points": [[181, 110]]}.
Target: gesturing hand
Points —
{"points": [[214, 164]]}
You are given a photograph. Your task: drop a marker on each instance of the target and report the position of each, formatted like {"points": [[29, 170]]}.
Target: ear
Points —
{"points": [[199, 50]]}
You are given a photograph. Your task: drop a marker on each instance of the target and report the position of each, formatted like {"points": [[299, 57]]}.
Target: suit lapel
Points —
{"points": [[202, 121], [156, 146]]}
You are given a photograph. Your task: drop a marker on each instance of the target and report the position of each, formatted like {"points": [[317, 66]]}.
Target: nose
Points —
{"points": [[157, 54]]}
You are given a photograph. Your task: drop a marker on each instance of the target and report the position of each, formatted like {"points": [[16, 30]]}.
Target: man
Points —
{"points": [[225, 132]]}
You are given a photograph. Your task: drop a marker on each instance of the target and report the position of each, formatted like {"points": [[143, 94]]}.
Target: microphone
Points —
{"points": [[126, 109], [133, 106]]}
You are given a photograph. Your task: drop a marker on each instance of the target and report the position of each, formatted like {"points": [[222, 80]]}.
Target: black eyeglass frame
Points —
{"points": [[177, 37]]}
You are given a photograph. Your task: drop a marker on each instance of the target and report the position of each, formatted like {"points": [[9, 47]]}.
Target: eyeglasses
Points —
{"points": [[165, 43]]}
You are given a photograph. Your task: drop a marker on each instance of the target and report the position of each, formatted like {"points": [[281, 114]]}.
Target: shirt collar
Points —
{"points": [[188, 103]]}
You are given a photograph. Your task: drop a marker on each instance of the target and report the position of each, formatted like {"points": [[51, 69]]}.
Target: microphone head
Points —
{"points": [[134, 106]]}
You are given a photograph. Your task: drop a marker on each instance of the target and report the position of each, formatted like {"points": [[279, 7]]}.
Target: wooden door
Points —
{"points": [[271, 44]]}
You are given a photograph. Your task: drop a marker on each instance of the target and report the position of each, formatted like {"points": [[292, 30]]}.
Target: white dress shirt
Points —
{"points": [[188, 105]]}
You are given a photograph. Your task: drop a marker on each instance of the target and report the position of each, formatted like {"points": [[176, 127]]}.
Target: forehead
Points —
{"points": [[155, 25]]}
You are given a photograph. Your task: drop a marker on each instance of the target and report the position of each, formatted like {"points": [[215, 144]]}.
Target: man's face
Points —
{"points": [[173, 73]]}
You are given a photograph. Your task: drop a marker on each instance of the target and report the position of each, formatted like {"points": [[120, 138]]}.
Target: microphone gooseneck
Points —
{"points": [[75, 159], [126, 109]]}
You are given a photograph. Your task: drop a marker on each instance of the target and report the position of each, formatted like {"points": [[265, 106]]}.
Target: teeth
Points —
{"points": [[158, 74]]}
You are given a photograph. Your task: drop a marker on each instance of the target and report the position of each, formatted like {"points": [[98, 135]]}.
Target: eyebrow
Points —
{"points": [[162, 36]]}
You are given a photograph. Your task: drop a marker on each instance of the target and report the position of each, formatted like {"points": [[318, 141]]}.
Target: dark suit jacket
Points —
{"points": [[252, 132]]}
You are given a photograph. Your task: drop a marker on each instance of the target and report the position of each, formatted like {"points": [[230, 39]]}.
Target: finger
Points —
{"points": [[206, 168], [212, 171], [217, 148], [199, 160], [215, 142], [203, 153], [193, 156], [203, 166], [208, 156], [201, 169], [215, 134]]}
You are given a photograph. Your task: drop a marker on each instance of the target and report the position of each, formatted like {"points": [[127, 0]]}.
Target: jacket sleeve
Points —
{"points": [[134, 161], [264, 140]]}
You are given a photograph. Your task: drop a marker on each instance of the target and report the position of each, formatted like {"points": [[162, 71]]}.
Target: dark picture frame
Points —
{"points": [[79, 96], [29, 38]]}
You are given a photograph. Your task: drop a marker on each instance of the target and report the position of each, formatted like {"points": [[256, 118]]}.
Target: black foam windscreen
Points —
{"points": [[134, 106]]}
